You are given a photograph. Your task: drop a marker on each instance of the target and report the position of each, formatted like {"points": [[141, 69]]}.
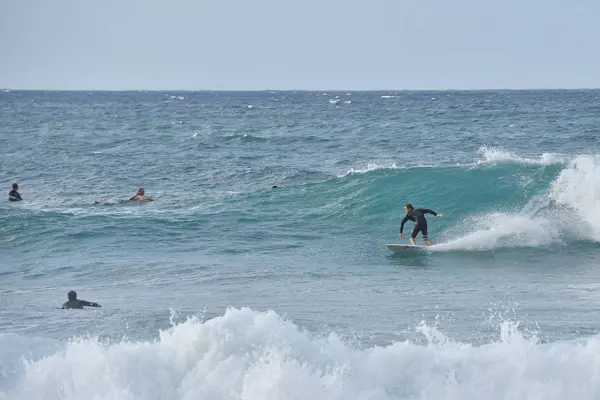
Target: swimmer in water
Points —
{"points": [[14, 193], [76, 303], [140, 195]]}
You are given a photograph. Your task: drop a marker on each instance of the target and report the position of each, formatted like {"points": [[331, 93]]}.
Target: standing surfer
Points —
{"points": [[417, 215]]}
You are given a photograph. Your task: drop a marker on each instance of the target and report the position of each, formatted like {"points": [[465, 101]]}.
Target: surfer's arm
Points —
{"points": [[402, 224], [90, 304], [428, 211]]}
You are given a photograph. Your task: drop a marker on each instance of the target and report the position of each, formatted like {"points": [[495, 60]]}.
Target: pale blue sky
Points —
{"points": [[308, 44]]}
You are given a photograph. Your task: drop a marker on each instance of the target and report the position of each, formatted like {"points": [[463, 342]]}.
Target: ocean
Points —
{"points": [[260, 269]]}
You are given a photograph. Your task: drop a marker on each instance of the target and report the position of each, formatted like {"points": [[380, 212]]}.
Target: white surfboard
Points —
{"points": [[399, 248]]}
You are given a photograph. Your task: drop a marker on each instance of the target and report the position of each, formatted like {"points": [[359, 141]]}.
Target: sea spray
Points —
{"points": [[259, 355]]}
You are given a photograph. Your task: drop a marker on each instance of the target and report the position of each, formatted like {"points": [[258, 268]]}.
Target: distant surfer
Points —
{"points": [[140, 195], [14, 195], [74, 302], [417, 215]]}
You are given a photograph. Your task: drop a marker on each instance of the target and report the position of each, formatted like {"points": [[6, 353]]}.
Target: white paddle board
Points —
{"points": [[399, 248]]}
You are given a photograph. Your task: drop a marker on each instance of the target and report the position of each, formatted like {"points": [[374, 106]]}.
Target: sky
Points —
{"points": [[299, 45]]}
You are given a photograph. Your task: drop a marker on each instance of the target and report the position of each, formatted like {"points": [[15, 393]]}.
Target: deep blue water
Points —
{"points": [[295, 293]]}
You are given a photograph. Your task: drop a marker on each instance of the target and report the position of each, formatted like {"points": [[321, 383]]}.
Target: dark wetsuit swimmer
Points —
{"points": [[417, 215], [14, 194], [75, 303]]}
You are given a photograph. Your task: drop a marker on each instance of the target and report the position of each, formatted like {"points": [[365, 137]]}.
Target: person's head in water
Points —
{"points": [[15, 186], [74, 302], [140, 194], [408, 207]]}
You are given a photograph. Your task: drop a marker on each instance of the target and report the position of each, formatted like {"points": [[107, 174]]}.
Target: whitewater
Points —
{"points": [[260, 269]]}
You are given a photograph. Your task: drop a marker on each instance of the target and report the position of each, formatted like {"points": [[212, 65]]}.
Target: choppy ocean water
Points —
{"points": [[290, 290]]}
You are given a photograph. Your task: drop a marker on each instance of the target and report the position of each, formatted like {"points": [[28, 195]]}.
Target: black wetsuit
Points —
{"points": [[14, 196], [418, 216], [76, 303]]}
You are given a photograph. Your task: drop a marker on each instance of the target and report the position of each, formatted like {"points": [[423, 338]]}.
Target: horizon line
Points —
{"points": [[8, 89]]}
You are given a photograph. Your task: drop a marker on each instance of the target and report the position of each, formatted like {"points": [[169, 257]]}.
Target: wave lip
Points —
{"points": [[577, 191], [491, 156], [370, 167], [495, 155]]}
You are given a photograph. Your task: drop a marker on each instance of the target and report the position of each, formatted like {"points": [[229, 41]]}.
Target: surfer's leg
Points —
{"points": [[424, 234], [413, 234]]}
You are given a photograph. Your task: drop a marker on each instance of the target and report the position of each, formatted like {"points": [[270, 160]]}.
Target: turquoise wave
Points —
{"points": [[370, 203]]}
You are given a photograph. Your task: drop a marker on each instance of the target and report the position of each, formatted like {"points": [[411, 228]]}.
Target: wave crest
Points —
{"points": [[496, 155], [246, 354]]}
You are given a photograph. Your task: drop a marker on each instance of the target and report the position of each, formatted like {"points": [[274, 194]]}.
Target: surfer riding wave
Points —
{"points": [[417, 215]]}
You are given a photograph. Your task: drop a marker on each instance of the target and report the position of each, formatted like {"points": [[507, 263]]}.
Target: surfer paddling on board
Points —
{"points": [[74, 302], [417, 215], [140, 195]]}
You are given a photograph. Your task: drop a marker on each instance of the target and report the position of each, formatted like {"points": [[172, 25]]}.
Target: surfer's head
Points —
{"points": [[140, 192], [72, 295], [15, 186], [408, 207]]}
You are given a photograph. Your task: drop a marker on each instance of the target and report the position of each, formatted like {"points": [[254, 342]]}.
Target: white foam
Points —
{"points": [[569, 209], [259, 356], [371, 167], [502, 230], [491, 156], [578, 189], [495, 155]]}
